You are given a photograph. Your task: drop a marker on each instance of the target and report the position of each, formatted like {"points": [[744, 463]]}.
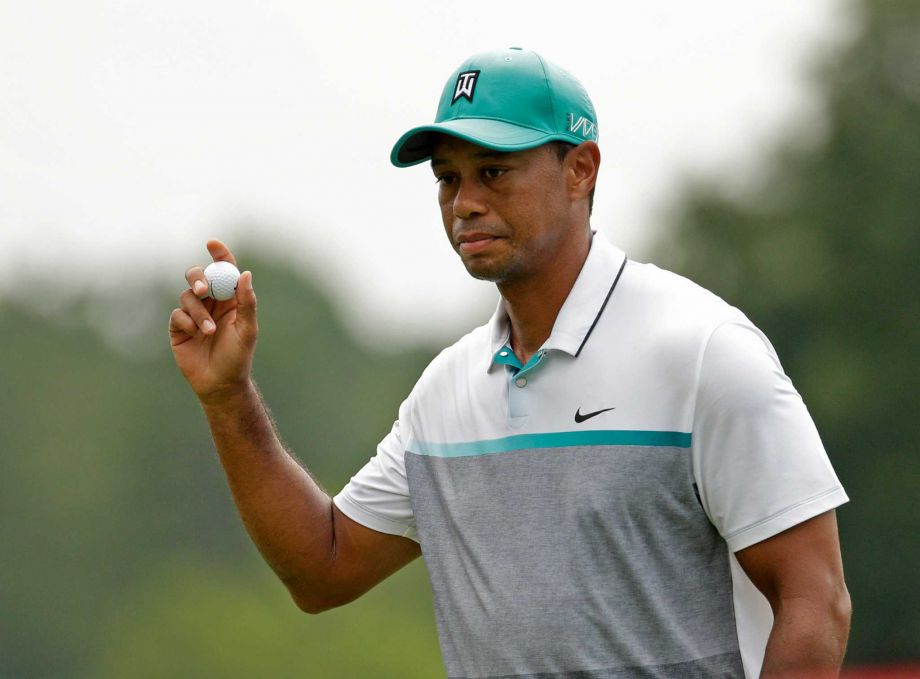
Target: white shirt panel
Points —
{"points": [[753, 619]]}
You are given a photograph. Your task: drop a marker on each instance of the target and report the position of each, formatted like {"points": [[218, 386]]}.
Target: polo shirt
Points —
{"points": [[578, 515]]}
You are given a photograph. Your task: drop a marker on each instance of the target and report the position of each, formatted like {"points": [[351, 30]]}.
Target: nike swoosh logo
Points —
{"points": [[579, 418]]}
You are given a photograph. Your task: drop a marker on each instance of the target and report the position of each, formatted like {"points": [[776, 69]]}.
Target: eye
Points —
{"points": [[493, 172], [445, 179]]}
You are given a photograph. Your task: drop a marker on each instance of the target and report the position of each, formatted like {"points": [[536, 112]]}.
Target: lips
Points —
{"points": [[475, 241]]}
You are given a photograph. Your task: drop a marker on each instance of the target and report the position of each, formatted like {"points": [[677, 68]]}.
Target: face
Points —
{"points": [[506, 214]]}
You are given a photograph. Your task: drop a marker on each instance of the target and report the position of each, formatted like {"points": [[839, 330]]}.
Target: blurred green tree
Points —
{"points": [[824, 255], [122, 551]]}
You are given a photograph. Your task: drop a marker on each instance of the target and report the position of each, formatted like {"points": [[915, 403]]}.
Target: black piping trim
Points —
{"points": [[603, 306]]}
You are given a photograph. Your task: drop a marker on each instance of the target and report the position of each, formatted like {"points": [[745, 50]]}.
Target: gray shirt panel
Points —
{"points": [[554, 561]]}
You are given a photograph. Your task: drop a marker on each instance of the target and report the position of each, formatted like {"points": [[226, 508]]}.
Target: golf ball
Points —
{"points": [[222, 279]]}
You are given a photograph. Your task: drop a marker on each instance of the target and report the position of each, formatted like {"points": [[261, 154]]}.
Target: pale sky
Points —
{"points": [[132, 131]]}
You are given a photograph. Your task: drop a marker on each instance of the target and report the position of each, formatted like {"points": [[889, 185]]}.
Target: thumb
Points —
{"points": [[246, 308]]}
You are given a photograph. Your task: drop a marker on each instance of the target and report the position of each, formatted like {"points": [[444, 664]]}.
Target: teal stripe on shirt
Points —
{"points": [[560, 439]]}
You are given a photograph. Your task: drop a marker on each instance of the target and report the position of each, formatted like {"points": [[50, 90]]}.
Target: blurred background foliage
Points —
{"points": [[122, 552], [122, 555]]}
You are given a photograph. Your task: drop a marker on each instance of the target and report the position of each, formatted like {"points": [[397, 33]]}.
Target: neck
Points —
{"points": [[533, 303]]}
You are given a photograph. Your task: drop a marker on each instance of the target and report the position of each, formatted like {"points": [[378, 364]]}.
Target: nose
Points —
{"points": [[469, 201]]}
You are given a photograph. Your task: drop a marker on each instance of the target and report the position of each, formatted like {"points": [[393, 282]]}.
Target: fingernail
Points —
{"points": [[208, 327], [200, 288]]}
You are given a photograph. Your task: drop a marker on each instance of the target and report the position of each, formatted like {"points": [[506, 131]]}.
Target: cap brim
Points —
{"points": [[415, 146]]}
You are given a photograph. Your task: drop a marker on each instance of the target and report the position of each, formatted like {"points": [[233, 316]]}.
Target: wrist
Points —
{"points": [[229, 396]]}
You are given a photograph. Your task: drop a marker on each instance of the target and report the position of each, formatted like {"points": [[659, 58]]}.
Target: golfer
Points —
{"points": [[613, 477]]}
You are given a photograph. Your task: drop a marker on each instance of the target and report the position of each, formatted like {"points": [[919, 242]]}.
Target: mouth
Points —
{"points": [[474, 242]]}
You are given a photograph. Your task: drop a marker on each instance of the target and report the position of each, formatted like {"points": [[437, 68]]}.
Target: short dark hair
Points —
{"points": [[562, 148]]}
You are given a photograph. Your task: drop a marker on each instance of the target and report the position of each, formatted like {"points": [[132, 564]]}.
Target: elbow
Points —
{"points": [[830, 621], [842, 611], [312, 605], [315, 599]]}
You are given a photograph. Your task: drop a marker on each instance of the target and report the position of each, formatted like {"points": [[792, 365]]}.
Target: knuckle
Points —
{"points": [[195, 310], [179, 321], [191, 304], [193, 271]]}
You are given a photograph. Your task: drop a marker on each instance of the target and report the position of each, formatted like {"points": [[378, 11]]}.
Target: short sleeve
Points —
{"points": [[378, 495], [759, 463]]}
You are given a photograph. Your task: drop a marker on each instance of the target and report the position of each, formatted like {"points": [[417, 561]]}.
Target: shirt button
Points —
{"points": [[502, 353], [521, 381]]}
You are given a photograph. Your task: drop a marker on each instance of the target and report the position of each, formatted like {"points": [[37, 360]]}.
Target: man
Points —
{"points": [[612, 478]]}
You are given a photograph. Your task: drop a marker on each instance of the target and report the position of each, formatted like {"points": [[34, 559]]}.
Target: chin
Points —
{"points": [[484, 272], [486, 276]]}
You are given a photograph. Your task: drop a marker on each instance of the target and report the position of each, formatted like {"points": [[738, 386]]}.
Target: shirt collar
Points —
{"points": [[581, 309]]}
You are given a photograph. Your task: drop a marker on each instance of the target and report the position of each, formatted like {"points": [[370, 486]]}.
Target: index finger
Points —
{"points": [[220, 252]]}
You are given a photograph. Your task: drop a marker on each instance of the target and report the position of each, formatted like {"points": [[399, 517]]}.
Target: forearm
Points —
{"points": [[808, 639], [285, 512]]}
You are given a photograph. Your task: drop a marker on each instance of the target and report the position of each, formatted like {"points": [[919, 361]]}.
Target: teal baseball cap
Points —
{"points": [[507, 100]]}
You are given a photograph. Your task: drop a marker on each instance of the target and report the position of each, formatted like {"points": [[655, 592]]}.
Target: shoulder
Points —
{"points": [[740, 372], [660, 292], [667, 313], [736, 365]]}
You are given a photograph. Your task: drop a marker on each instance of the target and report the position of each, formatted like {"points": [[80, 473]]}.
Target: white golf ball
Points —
{"points": [[222, 279]]}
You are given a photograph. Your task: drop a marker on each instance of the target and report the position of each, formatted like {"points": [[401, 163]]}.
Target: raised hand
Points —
{"points": [[213, 342]]}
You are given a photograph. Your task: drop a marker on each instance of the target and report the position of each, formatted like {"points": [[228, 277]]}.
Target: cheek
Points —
{"points": [[447, 216], [447, 220], [445, 202]]}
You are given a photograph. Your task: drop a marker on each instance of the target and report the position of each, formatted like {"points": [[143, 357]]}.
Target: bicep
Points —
{"points": [[371, 535], [364, 557], [801, 562]]}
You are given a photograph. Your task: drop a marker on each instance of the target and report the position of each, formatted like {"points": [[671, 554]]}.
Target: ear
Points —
{"points": [[581, 166]]}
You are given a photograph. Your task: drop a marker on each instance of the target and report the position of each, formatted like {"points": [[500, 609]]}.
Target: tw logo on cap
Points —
{"points": [[466, 85]]}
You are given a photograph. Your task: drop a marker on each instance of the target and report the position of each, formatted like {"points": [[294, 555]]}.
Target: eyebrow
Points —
{"points": [[486, 153]]}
